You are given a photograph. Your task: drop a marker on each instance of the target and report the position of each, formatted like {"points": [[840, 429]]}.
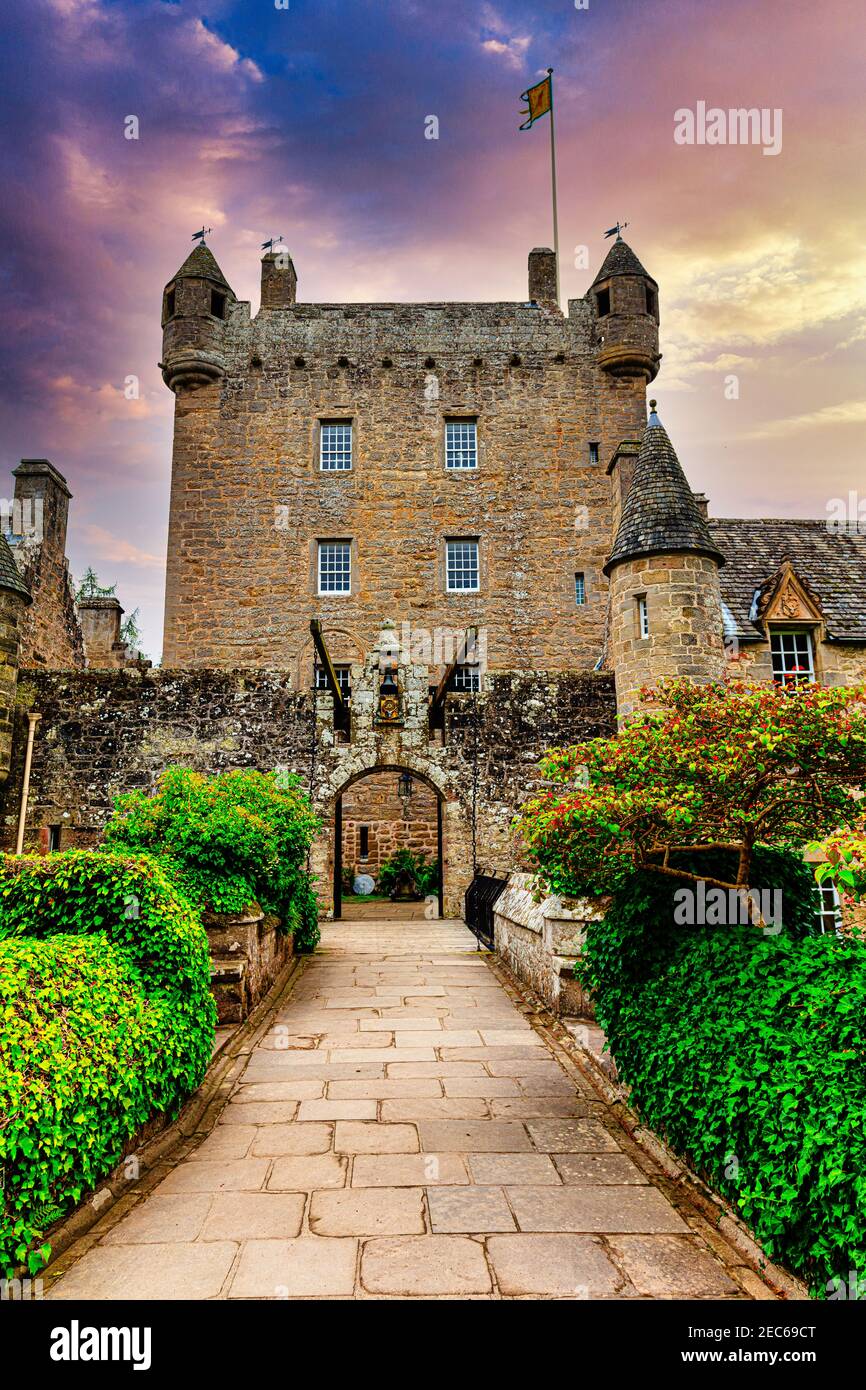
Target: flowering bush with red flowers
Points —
{"points": [[705, 768]]}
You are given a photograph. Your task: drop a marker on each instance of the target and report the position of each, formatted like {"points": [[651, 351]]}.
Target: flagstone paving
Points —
{"points": [[403, 1130]]}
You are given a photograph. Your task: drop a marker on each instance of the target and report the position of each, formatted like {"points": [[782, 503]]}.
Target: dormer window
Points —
{"points": [[602, 302], [217, 304], [793, 659]]}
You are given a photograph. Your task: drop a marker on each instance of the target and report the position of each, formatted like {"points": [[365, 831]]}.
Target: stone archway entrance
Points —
{"points": [[378, 812]]}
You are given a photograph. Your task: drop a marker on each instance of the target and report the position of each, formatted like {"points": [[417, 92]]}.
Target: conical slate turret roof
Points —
{"points": [[621, 260], [201, 263], [660, 514], [9, 575]]}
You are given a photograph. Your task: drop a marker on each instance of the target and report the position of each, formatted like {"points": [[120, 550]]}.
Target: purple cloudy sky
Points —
{"points": [[309, 121]]}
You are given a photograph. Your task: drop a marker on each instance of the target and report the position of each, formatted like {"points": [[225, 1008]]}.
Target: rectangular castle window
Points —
{"points": [[642, 616], [602, 302], [335, 567], [344, 679], [461, 444], [364, 838], [593, 453], [461, 566], [651, 301], [831, 910], [169, 304], [579, 588], [792, 658], [53, 838], [217, 304], [466, 678], [335, 446]]}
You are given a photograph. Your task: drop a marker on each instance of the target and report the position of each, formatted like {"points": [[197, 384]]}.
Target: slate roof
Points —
{"points": [[831, 561], [660, 514], [10, 577], [621, 260], [202, 262]]}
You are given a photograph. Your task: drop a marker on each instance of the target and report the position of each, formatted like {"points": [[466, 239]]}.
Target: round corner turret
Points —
{"points": [[625, 302], [195, 305]]}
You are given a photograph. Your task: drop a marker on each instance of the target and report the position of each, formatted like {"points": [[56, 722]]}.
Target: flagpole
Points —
{"points": [[553, 186]]}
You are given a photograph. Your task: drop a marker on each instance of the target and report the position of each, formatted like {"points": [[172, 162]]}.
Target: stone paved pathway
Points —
{"points": [[403, 1130]]}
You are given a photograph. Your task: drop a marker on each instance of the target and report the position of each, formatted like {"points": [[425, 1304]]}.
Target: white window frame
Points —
{"points": [[580, 588], [456, 569], [831, 908], [461, 455], [336, 451], [783, 673], [328, 550], [643, 627], [467, 678], [344, 679]]}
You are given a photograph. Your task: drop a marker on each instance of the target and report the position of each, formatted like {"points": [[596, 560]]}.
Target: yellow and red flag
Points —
{"points": [[539, 101]]}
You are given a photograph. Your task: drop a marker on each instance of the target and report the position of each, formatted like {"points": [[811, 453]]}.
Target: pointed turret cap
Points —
{"points": [[10, 577], [660, 515], [201, 264], [621, 260]]}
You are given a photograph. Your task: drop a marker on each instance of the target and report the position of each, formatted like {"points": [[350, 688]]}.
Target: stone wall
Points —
{"points": [[392, 821], [247, 952], [250, 501], [104, 732], [540, 939]]}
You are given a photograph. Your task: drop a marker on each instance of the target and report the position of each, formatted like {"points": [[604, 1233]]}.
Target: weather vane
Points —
{"points": [[269, 245], [615, 231], [200, 235]]}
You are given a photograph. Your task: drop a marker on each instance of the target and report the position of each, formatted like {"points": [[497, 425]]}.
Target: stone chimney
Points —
{"points": [[703, 503], [100, 627], [42, 497], [542, 275], [620, 470], [279, 280]]}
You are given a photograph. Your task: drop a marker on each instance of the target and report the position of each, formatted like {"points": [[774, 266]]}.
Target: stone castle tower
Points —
{"points": [[441, 464], [665, 602]]}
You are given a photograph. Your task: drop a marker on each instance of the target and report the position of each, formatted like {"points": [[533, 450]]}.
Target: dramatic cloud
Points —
{"points": [[310, 122]]}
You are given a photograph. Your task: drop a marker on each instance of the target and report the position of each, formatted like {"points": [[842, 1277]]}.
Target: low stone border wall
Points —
{"points": [[247, 951], [540, 940]]}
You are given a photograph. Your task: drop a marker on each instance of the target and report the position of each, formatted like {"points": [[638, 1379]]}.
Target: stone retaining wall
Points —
{"points": [[540, 940], [247, 951]]}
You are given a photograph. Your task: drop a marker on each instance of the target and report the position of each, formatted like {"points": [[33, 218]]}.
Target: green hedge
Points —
{"points": [[107, 1021], [228, 840], [746, 1052]]}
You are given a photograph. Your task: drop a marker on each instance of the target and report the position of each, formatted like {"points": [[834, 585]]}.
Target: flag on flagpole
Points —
{"points": [[539, 101]]}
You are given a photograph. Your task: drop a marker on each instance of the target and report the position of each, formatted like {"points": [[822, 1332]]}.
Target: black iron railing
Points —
{"points": [[480, 900]]}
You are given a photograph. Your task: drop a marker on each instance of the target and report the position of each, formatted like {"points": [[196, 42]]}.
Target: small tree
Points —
{"points": [[130, 631], [710, 768], [90, 586]]}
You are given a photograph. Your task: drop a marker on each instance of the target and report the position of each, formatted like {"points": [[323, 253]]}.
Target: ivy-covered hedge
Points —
{"points": [[229, 840], [106, 1020], [747, 1052]]}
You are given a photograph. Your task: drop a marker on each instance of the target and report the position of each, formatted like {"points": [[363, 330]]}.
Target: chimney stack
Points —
{"points": [[279, 280], [703, 502], [542, 275]]}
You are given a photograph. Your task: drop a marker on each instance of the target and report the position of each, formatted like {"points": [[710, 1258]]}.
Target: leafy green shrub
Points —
{"points": [[107, 1021], [746, 1052], [423, 872], [228, 840]]}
